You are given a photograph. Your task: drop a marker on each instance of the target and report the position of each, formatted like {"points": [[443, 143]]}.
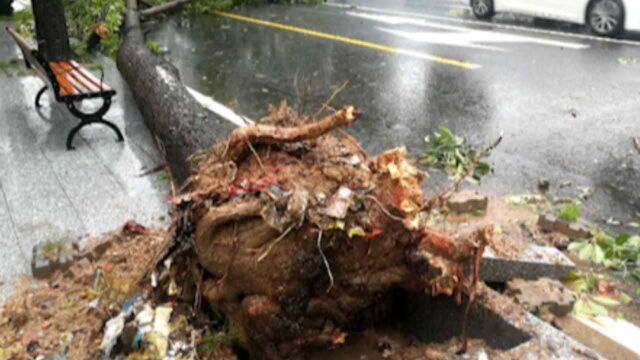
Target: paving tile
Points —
{"points": [[49, 193]]}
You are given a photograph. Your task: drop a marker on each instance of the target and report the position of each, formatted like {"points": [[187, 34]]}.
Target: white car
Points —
{"points": [[603, 17]]}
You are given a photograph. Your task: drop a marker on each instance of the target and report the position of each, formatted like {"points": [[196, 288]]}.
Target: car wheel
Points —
{"points": [[606, 17], [482, 9]]}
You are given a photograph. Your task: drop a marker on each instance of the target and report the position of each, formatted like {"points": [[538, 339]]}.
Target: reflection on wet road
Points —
{"points": [[567, 105]]}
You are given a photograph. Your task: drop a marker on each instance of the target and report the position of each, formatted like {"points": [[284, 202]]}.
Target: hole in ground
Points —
{"points": [[438, 319]]}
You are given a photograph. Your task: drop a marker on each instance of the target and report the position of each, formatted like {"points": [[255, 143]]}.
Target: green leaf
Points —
{"points": [[336, 225], [582, 285], [634, 241], [572, 275], [625, 299], [622, 239], [586, 253], [570, 213], [588, 308], [598, 255], [605, 301], [357, 231], [576, 246]]}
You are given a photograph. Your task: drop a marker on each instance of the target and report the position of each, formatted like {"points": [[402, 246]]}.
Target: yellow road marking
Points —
{"points": [[348, 40]]}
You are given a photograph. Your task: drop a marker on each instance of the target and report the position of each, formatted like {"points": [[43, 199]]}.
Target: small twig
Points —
{"points": [[384, 210], [198, 297], [326, 262], [353, 141], [274, 243], [255, 153], [636, 143], [154, 169], [299, 99], [327, 104]]}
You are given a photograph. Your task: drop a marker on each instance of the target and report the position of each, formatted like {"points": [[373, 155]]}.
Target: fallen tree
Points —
{"points": [[293, 236], [181, 125]]}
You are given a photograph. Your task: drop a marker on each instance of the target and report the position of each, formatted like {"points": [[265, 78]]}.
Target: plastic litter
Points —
{"points": [[159, 337], [113, 330]]}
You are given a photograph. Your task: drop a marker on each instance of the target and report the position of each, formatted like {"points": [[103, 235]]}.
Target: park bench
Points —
{"points": [[71, 84]]}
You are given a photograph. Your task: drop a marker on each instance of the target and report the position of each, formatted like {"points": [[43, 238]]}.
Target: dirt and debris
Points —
{"points": [[466, 201], [64, 315], [544, 297], [287, 241]]}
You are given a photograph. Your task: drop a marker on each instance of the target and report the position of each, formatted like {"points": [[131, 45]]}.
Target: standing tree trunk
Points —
{"points": [[5, 7], [178, 121], [51, 29]]}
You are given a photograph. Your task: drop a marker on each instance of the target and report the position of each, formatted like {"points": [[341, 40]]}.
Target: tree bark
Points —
{"points": [[5, 7], [181, 125], [51, 29]]}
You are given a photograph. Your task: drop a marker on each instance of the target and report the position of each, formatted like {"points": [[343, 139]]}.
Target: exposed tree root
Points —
{"points": [[300, 241]]}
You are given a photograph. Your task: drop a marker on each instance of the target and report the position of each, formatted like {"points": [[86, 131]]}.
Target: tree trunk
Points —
{"points": [[181, 125], [51, 29], [5, 7]]}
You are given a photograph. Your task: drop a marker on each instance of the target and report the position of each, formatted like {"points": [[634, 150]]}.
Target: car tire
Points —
{"points": [[605, 17], [482, 9]]}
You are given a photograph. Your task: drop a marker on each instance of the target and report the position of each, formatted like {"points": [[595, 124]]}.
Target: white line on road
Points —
{"points": [[486, 24], [218, 108], [460, 35]]}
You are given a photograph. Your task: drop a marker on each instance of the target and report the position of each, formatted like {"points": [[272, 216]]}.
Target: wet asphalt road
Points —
{"points": [[567, 106]]}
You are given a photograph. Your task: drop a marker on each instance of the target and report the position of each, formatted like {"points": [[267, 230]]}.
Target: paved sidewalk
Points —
{"points": [[49, 193]]}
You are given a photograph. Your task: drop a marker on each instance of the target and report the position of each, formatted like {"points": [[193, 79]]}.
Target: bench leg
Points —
{"points": [[44, 88], [87, 119], [82, 124]]}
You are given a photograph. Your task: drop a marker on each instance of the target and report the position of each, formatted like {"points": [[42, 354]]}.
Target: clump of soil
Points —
{"points": [[302, 235]]}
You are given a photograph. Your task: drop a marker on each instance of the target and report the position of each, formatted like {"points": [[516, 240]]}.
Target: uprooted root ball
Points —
{"points": [[302, 234]]}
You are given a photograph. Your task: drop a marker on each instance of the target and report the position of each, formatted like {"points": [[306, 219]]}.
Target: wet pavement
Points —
{"points": [[565, 102], [50, 194]]}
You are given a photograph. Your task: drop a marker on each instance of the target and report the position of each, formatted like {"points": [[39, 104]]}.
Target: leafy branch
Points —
{"points": [[456, 156]]}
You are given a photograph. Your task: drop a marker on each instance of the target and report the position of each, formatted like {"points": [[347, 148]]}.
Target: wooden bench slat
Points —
{"points": [[77, 75], [80, 88], [90, 77], [61, 78]]}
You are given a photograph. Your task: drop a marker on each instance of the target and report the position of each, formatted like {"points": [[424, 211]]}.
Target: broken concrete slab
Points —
{"points": [[41, 267], [467, 201], [617, 339], [541, 295], [531, 263], [546, 222], [574, 231], [49, 258], [497, 320]]}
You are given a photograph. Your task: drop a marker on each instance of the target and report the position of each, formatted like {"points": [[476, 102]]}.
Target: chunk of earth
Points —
{"points": [[466, 201], [542, 295]]}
